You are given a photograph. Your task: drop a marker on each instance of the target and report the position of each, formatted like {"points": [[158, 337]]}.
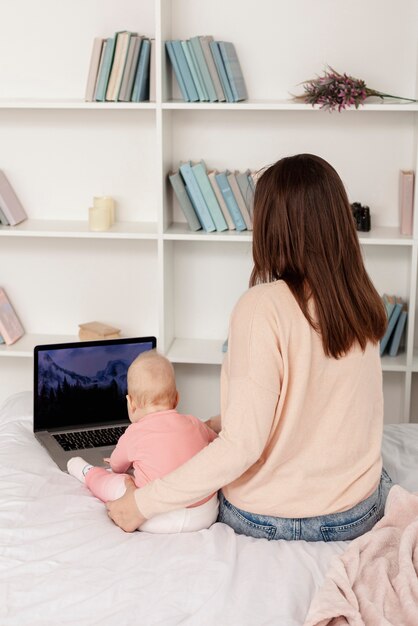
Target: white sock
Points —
{"points": [[78, 468]]}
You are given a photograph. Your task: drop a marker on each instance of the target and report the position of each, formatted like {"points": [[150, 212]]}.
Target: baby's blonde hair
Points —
{"points": [[151, 381]]}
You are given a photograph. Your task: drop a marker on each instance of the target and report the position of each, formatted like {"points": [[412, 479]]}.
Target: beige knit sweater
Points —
{"points": [[301, 432]]}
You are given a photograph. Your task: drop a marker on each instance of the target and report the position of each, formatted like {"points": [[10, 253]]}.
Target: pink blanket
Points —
{"points": [[375, 581]]}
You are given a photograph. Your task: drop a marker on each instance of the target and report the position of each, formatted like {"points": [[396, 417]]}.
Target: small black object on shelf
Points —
{"points": [[361, 216]]}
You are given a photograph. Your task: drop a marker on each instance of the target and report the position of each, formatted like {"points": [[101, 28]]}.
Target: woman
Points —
{"points": [[299, 449]]}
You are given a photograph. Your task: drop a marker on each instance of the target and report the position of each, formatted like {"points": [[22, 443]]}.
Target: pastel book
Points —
{"points": [[220, 66], [141, 86], [176, 69], [200, 58], [152, 69], [185, 71], [398, 334], [194, 72], [184, 201], [232, 179], [406, 201], [220, 198], [205, 42], [230, 201], [11, 208], [233, 70], [129, 71], [10, 327], [205, 95], [200, 173], [118, 65], [91, 331], [104, 69], [197, 198], [95, 60], [244, 183], [392, 320]]}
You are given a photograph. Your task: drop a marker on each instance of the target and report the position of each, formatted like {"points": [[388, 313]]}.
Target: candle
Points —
{"points": [[99, 218], [105, 202]]}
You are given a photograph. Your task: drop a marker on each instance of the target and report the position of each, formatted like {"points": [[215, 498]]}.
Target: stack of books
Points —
{"points": [[212, 200], [11, 210], [207, 70], [10, 327], [121, 69], [396, 311]]}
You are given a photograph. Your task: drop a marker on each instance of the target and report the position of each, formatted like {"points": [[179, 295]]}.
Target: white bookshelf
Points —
{"points": [[149, 274]]}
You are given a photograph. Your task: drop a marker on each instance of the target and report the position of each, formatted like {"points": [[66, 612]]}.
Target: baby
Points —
{"points": [[158, 441]]}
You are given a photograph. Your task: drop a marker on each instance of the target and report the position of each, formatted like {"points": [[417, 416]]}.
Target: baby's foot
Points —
{"points": [[78, 468]]}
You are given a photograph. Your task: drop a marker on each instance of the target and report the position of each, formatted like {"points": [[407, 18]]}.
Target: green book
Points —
{"points": [[193, 71], [184, 201], [199, 171], [104, 71], [200, 58]]}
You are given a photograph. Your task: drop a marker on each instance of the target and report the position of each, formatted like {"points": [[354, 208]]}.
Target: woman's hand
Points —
{"points": [[215, 423], [124, 512]]}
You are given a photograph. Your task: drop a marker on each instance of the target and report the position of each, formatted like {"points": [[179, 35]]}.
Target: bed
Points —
{"points": [[64, 562]]}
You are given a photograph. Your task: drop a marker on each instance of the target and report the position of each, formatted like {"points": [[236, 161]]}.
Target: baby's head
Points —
{"points": [[151, 385]]}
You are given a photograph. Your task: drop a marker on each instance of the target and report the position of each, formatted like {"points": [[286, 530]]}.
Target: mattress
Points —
{"points": [[62, 561]]}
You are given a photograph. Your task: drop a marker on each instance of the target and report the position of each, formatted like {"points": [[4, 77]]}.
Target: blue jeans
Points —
{"points": [[334, 527]]}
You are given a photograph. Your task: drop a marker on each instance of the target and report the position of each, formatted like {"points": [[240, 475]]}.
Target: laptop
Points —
{"points": [[80, 396]]}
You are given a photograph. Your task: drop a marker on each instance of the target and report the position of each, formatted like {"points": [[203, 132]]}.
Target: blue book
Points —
{"points": [[199, 171], [200, 58], [184, 201], [230, 200], [243, 180], [389, 302], [391, 326], [185, 71], [197, 198], [233, 70], [180, 81], [217, 57], [225, 346], [140, 91], [199, 73], [106, 66], [193, 70], [394, 343]]}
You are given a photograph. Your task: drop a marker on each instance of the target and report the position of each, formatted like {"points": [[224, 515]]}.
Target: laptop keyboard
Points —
{"points": [[90, 438]]}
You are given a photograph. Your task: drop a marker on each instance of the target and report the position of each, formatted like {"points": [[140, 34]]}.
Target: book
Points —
{"points": [[406, 201], [225, 346], [233, 70], [129, 72], [205, 43], [185, 71], [184, 201], [140, 91], [389, 303], [1, 339], [118, 65], [197, 198], [10, 204], [232, 179], [204, 70], [200, 173], [193, 70], [105, 68], [198, 70], [247, 192], [230, 201], [10, 327], [393, 347], [217, 57], [152, 67], [220, 198], [97, 330], [176, 68], [95, 59], [391, 325]]}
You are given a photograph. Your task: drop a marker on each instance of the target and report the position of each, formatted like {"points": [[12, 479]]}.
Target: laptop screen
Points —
{"points": [[83, 383]]}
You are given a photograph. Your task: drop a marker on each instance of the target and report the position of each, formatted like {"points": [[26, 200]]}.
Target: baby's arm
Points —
{"points": [[214, 423], [119, 460]]}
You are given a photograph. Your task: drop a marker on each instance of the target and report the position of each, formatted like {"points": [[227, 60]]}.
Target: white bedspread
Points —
{"points": [[64, 562]]}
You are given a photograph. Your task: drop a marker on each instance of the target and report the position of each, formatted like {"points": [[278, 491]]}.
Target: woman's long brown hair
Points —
{"points": [[304, 234]]}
